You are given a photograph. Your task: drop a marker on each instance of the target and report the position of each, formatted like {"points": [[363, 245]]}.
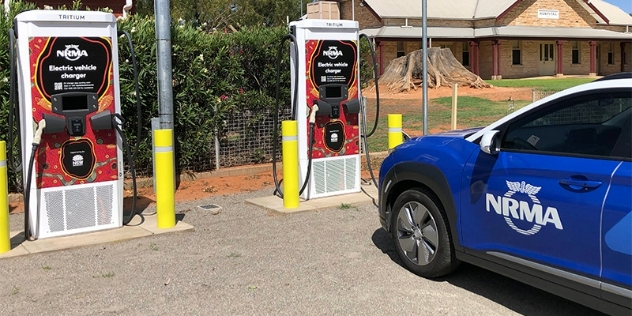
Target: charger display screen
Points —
{"points": [[333, 92], [74, 102]]}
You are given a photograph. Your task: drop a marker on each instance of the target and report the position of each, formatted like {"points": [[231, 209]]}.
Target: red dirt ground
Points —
{"points": [[212, 186]]}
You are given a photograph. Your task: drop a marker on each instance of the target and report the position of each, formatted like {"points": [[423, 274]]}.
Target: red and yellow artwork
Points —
{"points": [[332, 62], [81, 65]]}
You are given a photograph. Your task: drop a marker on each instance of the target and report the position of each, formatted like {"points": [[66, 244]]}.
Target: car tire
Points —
{"points": [[421, 235]]}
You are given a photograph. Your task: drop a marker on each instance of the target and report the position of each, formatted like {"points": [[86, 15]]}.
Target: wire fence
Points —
{"points": [[247, 139], [540, 94]]}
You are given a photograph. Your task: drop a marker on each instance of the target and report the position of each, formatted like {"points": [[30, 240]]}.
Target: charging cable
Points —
{"points": [[275, 119], [366, 135], [117, 122], [37, 139], [312, 123]]}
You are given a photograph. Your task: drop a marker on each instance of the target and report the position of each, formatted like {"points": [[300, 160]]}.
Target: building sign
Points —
{"points": [[548, 14]]}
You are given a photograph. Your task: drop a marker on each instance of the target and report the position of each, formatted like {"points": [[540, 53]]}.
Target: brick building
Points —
{"points": [[504, 38]]}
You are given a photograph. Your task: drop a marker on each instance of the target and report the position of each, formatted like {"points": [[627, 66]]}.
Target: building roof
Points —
{"points": [[551, 32], [445, 9], [614, 14], [603, 12], [496, 32], [415, 32]]}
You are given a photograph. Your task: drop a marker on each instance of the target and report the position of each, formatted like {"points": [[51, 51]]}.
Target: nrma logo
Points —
{"points": [[523, 211], [332, 52], [72, 52]]}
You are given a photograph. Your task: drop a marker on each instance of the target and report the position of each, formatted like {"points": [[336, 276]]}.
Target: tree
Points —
{"points": [[221, 14]]}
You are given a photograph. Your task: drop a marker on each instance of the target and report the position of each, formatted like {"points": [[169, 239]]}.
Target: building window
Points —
{"points": [[466, 54], [576, 53], [516, 56], [546, 52], [611, 53], [400, 49]]}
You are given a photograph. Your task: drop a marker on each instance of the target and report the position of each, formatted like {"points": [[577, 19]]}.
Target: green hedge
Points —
{"points": [[215, 75], [6, 23]]}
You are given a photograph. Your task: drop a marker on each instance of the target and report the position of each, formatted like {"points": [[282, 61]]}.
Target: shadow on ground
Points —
{"points": [[514, 295], [141, 204]]}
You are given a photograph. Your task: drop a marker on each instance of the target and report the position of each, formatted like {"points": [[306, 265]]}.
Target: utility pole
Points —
{"points": [[163, 63], [424, 62]]}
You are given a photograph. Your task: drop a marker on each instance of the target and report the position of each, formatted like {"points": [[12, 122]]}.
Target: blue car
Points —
{"points": [[544, 196]]}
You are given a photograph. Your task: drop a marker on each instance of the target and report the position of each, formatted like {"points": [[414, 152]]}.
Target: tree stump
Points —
{"points": [[406, 72]]}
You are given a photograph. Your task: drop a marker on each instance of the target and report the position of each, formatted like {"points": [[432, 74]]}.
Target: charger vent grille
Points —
{"points": [[77, 209], [334, 175]]}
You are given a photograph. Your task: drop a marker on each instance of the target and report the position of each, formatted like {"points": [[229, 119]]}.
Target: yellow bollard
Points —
{"points": [[395, 136], [289, 131], [165, 179], [5, 235]]}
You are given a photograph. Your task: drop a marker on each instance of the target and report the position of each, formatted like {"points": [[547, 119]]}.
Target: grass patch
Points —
{"points": [[345, 206], [542, 84], [472, 112]]}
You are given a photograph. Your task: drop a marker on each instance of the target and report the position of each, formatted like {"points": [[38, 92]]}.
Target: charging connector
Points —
{"points": [[312, 114], [37, 136]]}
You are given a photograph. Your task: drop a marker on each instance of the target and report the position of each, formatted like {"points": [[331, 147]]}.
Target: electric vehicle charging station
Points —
{"points": [[326, 55], [67, 69]]}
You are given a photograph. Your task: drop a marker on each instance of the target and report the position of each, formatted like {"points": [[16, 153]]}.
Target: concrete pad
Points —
{"points": [[16, 246], [17, 251], [138, 227], [151, 225], [80, 240], [275, 203]]}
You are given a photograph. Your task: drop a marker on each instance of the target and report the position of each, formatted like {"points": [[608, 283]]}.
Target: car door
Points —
{"points": [[538, 202], [616, 241]]}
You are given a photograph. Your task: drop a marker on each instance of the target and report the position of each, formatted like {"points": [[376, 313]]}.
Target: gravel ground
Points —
{"points": [[248, 261]]}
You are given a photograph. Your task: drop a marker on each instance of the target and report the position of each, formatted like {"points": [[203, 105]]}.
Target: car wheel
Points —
{"points": [[421, 235]]}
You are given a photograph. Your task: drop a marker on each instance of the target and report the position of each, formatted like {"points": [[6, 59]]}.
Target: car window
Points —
{"points": [[596, 124]]}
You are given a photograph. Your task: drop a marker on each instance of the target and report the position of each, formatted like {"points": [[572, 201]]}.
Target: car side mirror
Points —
{"points": [[489, 142]]}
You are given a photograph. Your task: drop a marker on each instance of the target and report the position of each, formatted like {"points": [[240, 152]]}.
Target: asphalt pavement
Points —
{"points": [[247, 260]]}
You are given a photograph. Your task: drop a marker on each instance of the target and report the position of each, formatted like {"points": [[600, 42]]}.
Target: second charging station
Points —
{"points": [[327, 54]]}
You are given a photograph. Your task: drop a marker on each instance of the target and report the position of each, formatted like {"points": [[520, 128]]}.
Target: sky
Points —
{"points": [[626, 5]]}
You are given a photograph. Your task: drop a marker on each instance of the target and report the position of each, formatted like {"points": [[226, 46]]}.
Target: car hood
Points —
{"points": [[458, 133]]}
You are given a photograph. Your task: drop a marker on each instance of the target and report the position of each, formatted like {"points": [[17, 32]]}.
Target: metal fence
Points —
{"points": [[540, 94], [246, 139]]}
